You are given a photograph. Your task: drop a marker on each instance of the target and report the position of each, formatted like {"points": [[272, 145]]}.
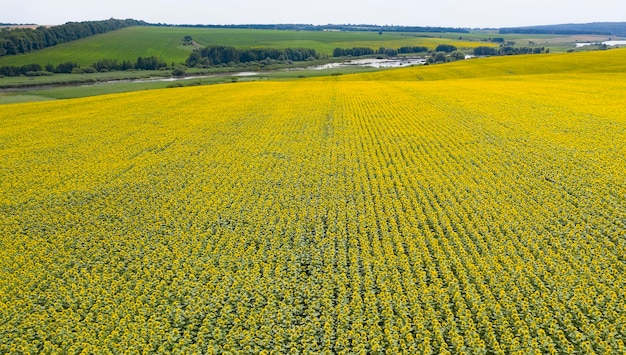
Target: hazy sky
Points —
{"points": [[454, 13]]}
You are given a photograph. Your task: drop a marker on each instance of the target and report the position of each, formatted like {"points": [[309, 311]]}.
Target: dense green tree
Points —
{"points": [[66, 67], [149, 63], [440, 57], [417, 49], [216, 55], [448, 48], [387, 51], [457, 55], [178, 71], [485, 50], [354, 52], [106, 65]]}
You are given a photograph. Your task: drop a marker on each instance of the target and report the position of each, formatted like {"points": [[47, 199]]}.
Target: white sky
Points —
{"points": [[453, 13]]}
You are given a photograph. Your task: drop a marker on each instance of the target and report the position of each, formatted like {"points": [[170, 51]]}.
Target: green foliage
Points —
{"points": [[445, 48], [485, 51], [360, 51], [66, 67], [355, 52], [387, 51], [507, 50], [21, 70], [89, 70], [38, 73], [216, 55], [112, 64], [178, 71], [103, 65], [457, 55], [414, 49], [149, 63], [440, 57]]}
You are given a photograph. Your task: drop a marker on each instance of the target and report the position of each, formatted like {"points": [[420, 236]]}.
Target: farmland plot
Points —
{"points": [[458, 216]]}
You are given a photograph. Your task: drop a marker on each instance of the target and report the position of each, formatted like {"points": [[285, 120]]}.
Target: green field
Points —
{"points": [[166, 43]]}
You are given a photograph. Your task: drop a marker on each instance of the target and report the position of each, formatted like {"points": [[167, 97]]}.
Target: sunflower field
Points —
{"points": [[459, 216]]}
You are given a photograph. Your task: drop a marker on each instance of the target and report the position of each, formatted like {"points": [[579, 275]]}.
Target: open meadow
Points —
{"points": [[475, 207]]}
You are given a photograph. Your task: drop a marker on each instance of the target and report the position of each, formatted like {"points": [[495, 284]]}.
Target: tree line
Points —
{"points": [[360, 51], [508, 50], [142, 63], [216, 55], [24, 40]]}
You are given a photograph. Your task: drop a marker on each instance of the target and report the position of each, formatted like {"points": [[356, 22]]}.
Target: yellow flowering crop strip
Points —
{"points": [[466, 216]]}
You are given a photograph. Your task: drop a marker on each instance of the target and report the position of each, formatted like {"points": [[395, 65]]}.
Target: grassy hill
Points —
{"points": [[167, 43]]}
